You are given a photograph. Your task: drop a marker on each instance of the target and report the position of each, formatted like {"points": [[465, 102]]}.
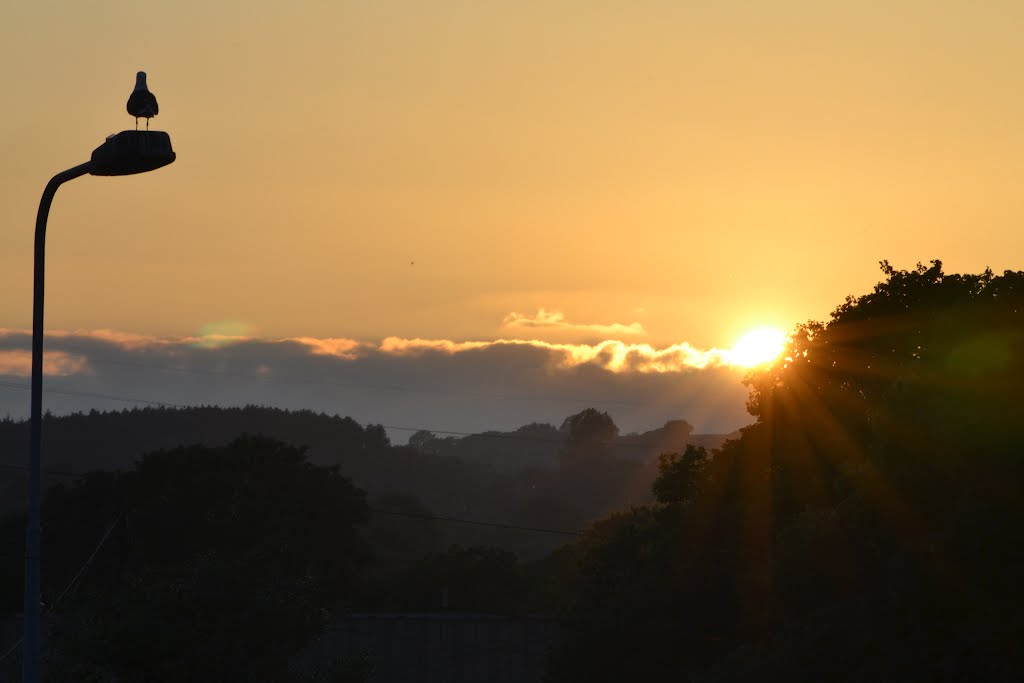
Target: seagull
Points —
{"points": [[142, 103]]}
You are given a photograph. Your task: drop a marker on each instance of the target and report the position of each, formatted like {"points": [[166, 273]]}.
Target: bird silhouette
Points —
{"points": [[142, 103]]}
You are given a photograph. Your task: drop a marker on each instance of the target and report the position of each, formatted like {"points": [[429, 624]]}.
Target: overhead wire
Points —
{"points": [[380, 511], [91, 394], [53, 473], [487, 435], [459, 520], [286, 377], [513, 436], [136, 400], [74, 580], [447, 432]]}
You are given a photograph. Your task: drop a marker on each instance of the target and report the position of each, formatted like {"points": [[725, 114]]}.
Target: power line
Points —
{"points": [[489, 435], [136, 400], [53, 473], [11, 649], [78, 575], [394, 513], [90, 394], [459, 520], [513, 436], [277, 376], [85, 566], [493, 647]]}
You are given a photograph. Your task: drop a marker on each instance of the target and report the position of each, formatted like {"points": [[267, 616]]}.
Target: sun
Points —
{"points": [[759, 346]]}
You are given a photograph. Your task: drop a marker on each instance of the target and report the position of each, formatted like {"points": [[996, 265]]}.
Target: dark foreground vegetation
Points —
{"points": [[868, 526]]}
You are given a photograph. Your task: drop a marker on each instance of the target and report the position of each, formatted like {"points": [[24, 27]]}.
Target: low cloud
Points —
{"points": [[554, 321], [611, 355], [329, 346], [399, 346], [18, 363], [405, 384], [614, 356]]}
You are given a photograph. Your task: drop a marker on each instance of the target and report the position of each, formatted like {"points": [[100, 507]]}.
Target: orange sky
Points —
{"points": [[658, 172]]}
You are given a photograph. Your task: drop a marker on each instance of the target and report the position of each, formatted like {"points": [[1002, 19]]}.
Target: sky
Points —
{"points": [[650, 173]]}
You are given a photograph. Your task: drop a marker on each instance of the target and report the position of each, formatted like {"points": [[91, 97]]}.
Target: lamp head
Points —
{"points": [[132, 151]]}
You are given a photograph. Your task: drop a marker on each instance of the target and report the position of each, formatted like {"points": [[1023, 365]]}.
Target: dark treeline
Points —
{"points": [[868, 526], [514, 477]]}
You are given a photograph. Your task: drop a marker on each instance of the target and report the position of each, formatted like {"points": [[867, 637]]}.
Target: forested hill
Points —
{"points": [[541, 445], [114, 440]]}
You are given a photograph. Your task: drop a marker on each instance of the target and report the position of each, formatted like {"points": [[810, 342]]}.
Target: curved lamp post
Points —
{"points": [[126, 153]]}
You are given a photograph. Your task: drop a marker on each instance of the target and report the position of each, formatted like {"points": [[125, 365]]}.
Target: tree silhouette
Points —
{"points": [[225, 563], [589, 435], [868, 526]]}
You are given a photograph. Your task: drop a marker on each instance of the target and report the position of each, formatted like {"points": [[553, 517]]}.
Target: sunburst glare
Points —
{"points": [[757, 347]]}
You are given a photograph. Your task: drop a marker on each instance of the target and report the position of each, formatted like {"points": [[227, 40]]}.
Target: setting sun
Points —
{"points": [[758, 346]]}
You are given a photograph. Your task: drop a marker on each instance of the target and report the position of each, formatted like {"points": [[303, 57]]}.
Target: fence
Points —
{"points": [[439, 647]]}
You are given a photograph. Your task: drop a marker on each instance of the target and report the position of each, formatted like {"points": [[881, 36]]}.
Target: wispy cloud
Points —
{"points": [[554, 321]]}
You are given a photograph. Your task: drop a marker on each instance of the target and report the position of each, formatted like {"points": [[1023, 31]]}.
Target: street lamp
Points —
{"points": [[126, 153]]}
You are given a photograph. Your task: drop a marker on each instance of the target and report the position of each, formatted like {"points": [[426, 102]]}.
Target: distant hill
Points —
{"points": [[538, 445], [509, 477], [115, 440]]}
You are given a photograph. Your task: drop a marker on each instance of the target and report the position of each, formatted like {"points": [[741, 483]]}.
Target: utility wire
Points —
{"points": [[416, 515], [90, 394], [459, 520], [54, 473], [84, 567], [135, 400], [11, 649], [449, 432], [513, 436], [494, 647], [67, 588], [358, 385], [393, 513]]}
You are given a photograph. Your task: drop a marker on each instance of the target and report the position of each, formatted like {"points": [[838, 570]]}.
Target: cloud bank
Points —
{"points": [[402, 383]]}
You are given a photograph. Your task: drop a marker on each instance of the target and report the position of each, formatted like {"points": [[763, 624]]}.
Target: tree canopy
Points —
{"points": [[868, 526], [224, 563]]}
